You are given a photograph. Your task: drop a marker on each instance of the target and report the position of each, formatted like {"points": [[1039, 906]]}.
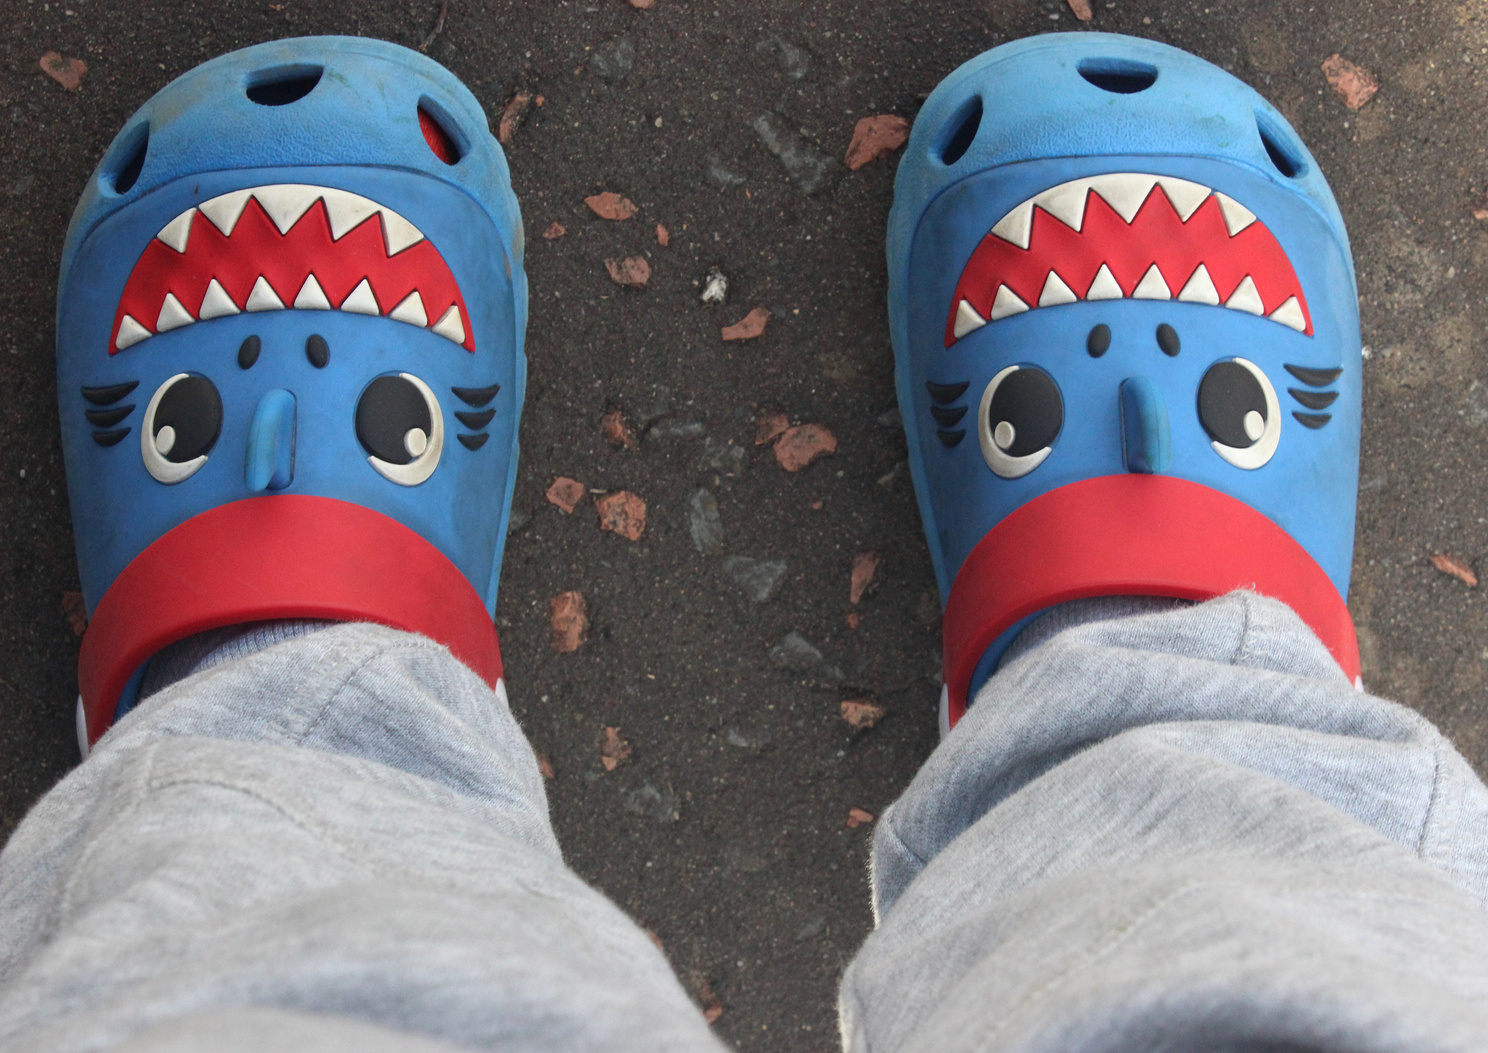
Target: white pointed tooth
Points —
{"points": [[399, 232], [1290, 314], [362, 300], [216, 303], [263, 297], [177, 231], [1152, 286], [1105, 286], [1236, 216], [311, 296], [449, 325], [1124, 191], [1056, 292], [411, 310], [1066, 202], [287, 202], [967, 320], [345, 210], [1017, 225], [225, 210], [172, 315], [1185, 196], [1200, 288], [1007, 303], [130, 332], [1246, 298]]}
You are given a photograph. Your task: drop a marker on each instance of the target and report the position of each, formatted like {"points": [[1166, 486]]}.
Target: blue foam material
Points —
{"points": [[357, 130], [1042, 124], [1146, 439], [271, 435]]}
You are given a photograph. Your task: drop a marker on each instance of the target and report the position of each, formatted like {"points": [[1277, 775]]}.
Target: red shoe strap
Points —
{"points": [[285, 556], [1133, 535]]}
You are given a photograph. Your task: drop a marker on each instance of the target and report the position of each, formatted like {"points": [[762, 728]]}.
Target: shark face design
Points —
{"points": [[295, 245], [1128, 235], [290, 371], [1126, 340], [1130, 322], [241, 254], [1126, 325]]}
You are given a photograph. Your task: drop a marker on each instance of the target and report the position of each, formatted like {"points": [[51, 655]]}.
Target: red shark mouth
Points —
{"points": [[1127, 235], [289, 245]]}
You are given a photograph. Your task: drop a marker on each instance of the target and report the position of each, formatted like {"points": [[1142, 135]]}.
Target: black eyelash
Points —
{"points": [[107, 418], [950, 439], [947, 417], [108, 394], [1313, 420], [109, 438], [476, 397], [1313, 399], [1314, 378], [475, 420], [944, 393]]}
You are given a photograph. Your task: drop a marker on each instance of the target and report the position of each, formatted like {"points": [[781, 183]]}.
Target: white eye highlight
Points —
{"points": [[400, 425], [1020, 416], [181, 425], [1240, 413]]}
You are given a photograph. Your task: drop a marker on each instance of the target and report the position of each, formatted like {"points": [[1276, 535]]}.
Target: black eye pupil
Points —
{"points": [[317, 351], [1099, 341], [388, 410], [192, 409], [1227, 394], [1029, 401], [1167, 339]]}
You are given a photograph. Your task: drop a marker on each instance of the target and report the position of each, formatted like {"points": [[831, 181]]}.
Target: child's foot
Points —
{"points": [[289, 359], [1127, 343]]}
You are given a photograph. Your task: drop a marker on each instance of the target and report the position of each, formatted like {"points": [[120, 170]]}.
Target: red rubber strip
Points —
{"points": [[284, 556], [1132, 535]]}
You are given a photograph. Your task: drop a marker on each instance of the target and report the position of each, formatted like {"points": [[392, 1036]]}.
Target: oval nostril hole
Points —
{"points": [[963, 131], [123, 169], [1119, 76], [1284, 155], [283, 84]]}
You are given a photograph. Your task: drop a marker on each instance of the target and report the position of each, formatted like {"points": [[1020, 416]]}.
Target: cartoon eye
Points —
{"points": [[1020, 417], [1239, 411], [182, 423], [400, 425]]}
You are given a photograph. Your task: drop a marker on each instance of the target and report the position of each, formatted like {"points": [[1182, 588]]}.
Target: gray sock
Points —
{"points": [[1078, 612], [215, 646]]}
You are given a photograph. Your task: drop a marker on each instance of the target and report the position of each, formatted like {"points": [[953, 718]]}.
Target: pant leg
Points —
{"points": [[341, 836], [1179, 831]]}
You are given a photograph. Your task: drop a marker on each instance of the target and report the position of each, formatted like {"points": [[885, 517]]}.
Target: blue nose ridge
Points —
{"points": [[1145, 443], [271, 443]]}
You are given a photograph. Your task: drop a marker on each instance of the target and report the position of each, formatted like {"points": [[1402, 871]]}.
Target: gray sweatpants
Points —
{"points": [[1179, 830]]}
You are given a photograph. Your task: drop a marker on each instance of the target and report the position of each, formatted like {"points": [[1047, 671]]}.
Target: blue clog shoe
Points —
{"points": [[289, 359], [1126, 336]]}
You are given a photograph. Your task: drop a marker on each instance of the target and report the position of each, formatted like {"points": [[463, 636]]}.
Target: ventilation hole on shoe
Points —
{"points": [[123, 169], [436, 128], [1120, 76], [963, 131], [283, 85], [1283, 153]]}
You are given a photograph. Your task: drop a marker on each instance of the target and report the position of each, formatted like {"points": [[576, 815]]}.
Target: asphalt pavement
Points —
{"points": [[726, 831]]}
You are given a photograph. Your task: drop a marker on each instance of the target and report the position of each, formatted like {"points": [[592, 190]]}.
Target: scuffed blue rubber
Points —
{"points": [[1043, 124], [357, 130]]}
